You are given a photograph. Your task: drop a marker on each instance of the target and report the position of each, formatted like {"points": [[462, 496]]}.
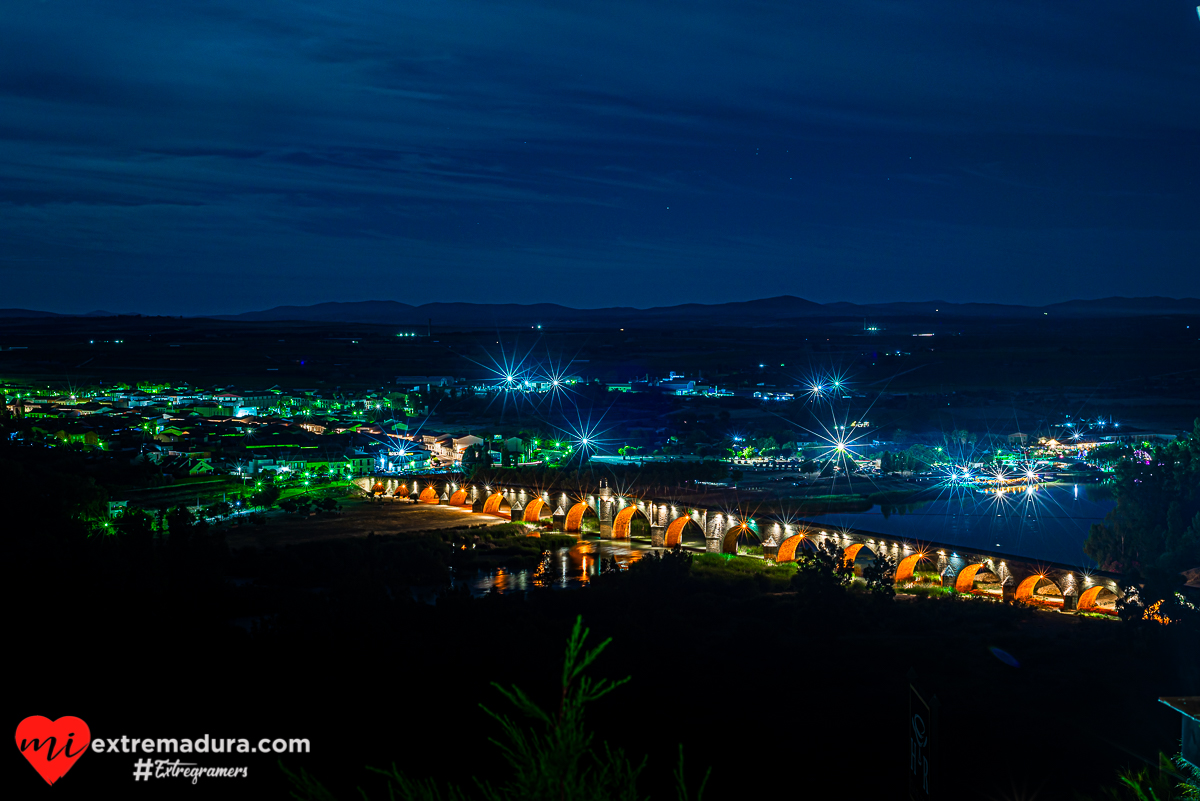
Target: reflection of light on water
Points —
{"points": [[504, 580], [1044, 522], [562, 568]]}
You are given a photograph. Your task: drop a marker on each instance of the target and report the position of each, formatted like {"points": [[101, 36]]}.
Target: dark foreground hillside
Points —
{"points": [[150, 637]]}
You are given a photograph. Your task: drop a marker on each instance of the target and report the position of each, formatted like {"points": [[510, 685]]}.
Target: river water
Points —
{"points": [[1048, 523], [564, 569]]}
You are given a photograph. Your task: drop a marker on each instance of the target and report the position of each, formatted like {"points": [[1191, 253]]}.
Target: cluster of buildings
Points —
{"points": [[673, 384], [188, 431], [193, 431], [449, 449]]}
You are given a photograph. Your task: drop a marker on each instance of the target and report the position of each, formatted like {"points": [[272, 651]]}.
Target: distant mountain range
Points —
{"points": [[34, 313], [768, 311]]}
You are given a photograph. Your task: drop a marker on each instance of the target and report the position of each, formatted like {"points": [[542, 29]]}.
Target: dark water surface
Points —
{"points": [[564, 569], [1048, 523]]}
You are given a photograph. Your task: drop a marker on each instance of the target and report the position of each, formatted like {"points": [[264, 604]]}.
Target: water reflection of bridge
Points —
{"points": [[668, 523]]}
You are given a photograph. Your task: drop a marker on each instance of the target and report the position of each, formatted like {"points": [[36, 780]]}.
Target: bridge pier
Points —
{"points": [[658, 536], [605, 510], [1008, 590]]}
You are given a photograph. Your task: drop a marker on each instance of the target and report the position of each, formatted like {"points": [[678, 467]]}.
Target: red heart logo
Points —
{"points": [[52, 746]]}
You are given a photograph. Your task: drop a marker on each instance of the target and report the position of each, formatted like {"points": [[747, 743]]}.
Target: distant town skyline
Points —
{"points": [[224, 158]]}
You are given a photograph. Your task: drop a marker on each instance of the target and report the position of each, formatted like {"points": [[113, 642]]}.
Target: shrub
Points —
{"points": [[552, 757]]}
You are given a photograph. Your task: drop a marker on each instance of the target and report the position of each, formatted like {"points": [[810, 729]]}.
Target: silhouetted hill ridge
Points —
{"points": [[42, 314], [764, 311]]}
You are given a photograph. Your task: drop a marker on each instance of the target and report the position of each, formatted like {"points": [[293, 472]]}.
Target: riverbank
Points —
{"points": [[357, 518]]}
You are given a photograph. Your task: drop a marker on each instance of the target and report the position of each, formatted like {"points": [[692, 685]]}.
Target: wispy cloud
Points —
{"points": [[660, 141]]}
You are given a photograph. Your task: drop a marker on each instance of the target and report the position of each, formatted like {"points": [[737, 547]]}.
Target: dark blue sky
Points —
{"points": [[219, 156]]}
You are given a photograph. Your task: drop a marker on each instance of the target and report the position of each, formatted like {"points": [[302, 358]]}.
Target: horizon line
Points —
{"points": [[864, 304]]}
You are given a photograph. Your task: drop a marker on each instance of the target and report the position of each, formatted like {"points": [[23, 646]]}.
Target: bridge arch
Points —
{"points": [[730, 540], [852, 551], [428, 495], [536, 510], [908, 566], [400, 491], [628, 521], [788, 548], [1027, 590], [678, 528], [582, 518], [378, 488], [496, 504], [459, 498], [965, 581], [1092, 599]]}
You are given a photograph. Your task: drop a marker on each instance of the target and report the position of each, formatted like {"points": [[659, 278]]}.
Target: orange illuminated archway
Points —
{"points": [[492, 505], [575, 516], [1026, 587], [675, 531], [1026, 590], [908, 566], [788, 548], [428, 495], [851, 553], [533, 512], [966, 579], [620, 529], [459, 498], [1087, 599], [401, 491], [378, 489]]}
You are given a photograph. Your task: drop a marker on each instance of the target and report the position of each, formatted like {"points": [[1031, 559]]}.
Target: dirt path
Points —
{"points": [[357, 519]]}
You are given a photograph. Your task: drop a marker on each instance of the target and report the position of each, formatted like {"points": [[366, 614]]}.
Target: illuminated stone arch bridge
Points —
{"points": [[668, 523]]}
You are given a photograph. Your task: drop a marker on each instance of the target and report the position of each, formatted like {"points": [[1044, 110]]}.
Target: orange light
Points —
{"points": [[620, 529], [575, 517], [1025, 590], [491, 506], [787, 548], [674, 535], [907, 566], [1087, 600], [533, 511], [966, 579], [1153, 613]]}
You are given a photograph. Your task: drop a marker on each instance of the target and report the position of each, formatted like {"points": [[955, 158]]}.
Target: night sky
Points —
{"points": [[215, 156]]}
